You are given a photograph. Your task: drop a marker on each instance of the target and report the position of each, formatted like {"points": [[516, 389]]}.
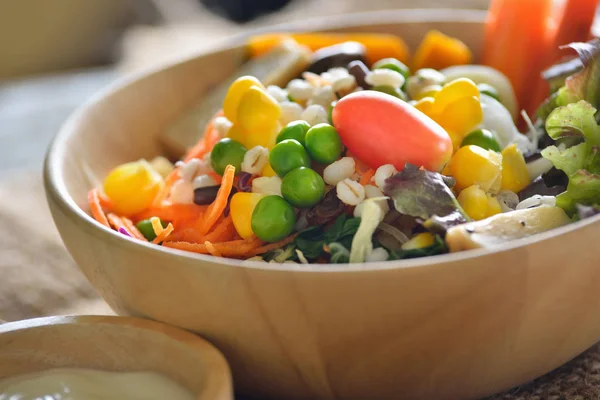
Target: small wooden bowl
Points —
{"points": [[447, 327], [115, 344]]}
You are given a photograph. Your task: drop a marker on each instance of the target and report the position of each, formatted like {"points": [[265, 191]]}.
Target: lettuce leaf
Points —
{"points": [[581, 162], [583, 85], [422, 194], [583, 188]]}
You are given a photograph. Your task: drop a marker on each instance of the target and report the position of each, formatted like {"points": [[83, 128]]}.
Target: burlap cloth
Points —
{"points": [[38, 277]]}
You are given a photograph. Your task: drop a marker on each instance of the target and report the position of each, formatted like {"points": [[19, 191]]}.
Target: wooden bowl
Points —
{"points": [[455, 326], [119, 344]]}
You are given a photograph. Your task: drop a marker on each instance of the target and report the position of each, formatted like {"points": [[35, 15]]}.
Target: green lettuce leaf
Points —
{"points": [[312, 241], [438, 247], [422, 194], [574, 120], [583, 188], [568, 160], [583, 85]]}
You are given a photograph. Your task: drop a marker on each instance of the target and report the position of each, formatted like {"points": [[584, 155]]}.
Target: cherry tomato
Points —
{"points": [[381, 129]]}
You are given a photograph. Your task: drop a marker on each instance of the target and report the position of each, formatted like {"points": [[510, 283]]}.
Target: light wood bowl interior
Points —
{"points": [[447, 327], [119, 344]]}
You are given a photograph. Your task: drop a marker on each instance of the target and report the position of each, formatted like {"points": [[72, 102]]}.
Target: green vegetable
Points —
{"points": [[273, 219], [294, 130], [227, 152], [362, 244], [303, 187], [324, 144], [146, 229], [438, 247], [422, 194], [581, 80], [482, 138], [312, 241], [391, 91], [394, 65], [287, 155], [580, 162], [339, 253], [489, 90]]}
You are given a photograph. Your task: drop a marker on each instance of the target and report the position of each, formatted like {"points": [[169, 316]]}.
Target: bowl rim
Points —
{"points": [[56, 189]]}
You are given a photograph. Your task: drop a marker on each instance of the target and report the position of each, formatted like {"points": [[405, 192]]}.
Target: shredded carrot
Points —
{"points": [[366, 178], [165, 190], [272, 246], [215, 210], [96, 208], [173, 212], [131, 228], [186, 235], [206, 142], [105, 202], [235, 248], [212, 250], [222, 231], [116, 222], [164, 234]]}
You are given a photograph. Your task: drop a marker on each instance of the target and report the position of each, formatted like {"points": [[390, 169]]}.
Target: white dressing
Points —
{"points": [[88, 384]]}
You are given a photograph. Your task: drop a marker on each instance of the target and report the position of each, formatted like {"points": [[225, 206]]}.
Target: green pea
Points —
{"points": [[227, 152], [391, 91], [394, 65], [146, 229], [482, 138], [303, 187], [287, 155], [294, 130], [488, 90], [273, 219], [323, 143], [330, 112]]}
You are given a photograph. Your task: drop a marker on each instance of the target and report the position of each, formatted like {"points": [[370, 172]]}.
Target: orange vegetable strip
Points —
{"points": [[235, 248], [105, 202], [204, 144], [516, 41], [272, 246], [116, 222], [439, 51], [165, 190], [366, 178], [378, 45], [132, 229], [215, 210], [221, 228], [172, 212], [164, 234], [212, 250], [96, 208], [186, 235]]}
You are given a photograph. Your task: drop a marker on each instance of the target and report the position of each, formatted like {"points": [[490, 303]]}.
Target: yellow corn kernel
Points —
{"points": [[473, 165], [429, 91], [425, 105], [454, 91], [237, 89], [419, 241], [493, 205], [257, 110], [461, 116], [264, 137], [475, 202], [268, 171], [235, 133], [132, 187], [515, 176], [241, 208]]}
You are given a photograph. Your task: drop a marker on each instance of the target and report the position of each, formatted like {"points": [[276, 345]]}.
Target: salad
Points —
{"points": [[361, 158]]}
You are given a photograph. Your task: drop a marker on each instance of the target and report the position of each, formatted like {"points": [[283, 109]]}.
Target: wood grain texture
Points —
{"points": [[114, 344], [457, 326]]}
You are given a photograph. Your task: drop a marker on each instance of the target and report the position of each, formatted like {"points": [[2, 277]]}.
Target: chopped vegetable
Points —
{"points": [[421, 193], [439, 51], [362, 244]]}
